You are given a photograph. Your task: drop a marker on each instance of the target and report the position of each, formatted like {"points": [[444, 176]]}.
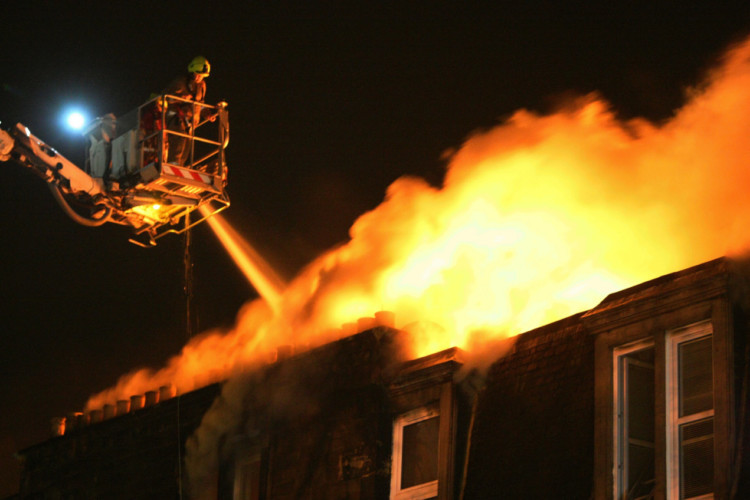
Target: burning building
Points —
{"points": [[644, 395]]}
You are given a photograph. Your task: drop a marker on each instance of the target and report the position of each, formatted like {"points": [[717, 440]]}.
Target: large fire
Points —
{"points": [[538, 218]]}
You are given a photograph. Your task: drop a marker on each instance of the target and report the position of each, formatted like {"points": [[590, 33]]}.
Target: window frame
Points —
{"points": [[420, 491], [673, 421], [619, 405], [610, 336]]}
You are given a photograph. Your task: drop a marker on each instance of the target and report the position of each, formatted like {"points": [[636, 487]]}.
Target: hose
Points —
{"points": [[85, 221]]}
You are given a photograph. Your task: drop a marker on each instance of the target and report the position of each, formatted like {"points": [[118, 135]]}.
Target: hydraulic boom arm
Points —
{"points": [[129, 177]]}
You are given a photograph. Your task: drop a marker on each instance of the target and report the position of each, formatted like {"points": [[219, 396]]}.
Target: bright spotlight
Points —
{"points": [[76, 120]]}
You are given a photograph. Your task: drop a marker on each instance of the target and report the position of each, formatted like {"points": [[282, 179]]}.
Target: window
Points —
{"points": [[690, 413], [634, 411], [414, 473], [688, 419], [426, 450]]}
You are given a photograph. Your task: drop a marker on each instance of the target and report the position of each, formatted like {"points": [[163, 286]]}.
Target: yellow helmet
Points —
{"points": [[200, 65]]}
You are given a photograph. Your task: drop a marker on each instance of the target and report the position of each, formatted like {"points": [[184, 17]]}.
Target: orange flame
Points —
{"points": [[538, 218]]}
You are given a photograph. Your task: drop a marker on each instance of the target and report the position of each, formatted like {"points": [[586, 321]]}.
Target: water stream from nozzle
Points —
{"points": [[257, 271]]}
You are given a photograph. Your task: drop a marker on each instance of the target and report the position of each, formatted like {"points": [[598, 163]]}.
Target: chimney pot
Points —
{"points": [[82, 420], [57, 426], [152, 397], [108, 411], [137, 402], [95, 416], [123, 406], [167, 392], [72, 422], [365, 324]]}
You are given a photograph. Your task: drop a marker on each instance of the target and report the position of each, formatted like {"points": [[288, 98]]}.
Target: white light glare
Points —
{"points": [[76, 120]]}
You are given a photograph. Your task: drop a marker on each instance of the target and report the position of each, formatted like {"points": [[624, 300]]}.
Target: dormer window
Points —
{"points": [[414, 472], [425, 410]]}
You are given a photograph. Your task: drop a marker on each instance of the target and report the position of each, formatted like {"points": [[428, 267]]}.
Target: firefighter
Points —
{"points": [[181, 116]]}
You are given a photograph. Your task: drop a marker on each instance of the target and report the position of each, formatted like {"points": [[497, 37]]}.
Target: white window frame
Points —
{"points": [[420, 491], [620, 472], [673, 420]]}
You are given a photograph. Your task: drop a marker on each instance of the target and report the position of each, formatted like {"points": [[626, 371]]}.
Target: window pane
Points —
{"points": [[696, 376], [420, 452], [697, 458], [640, 422], [640, 405], [636, 417]]}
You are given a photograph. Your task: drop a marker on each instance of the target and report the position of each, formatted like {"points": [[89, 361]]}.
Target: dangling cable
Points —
{"points": [[188, 283], [188, 289]]}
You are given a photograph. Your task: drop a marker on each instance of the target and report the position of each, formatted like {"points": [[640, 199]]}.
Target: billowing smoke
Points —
{"points": [[538, 218]]}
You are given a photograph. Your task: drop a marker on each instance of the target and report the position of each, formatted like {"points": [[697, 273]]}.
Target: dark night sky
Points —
{"points": [[328, 105]]}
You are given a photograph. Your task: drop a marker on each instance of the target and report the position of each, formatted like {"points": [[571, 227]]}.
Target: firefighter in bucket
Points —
{"points": [[181, 116]]}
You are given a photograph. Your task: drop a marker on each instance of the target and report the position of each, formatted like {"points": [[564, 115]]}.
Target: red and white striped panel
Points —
{"points": [[186, 173]]}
